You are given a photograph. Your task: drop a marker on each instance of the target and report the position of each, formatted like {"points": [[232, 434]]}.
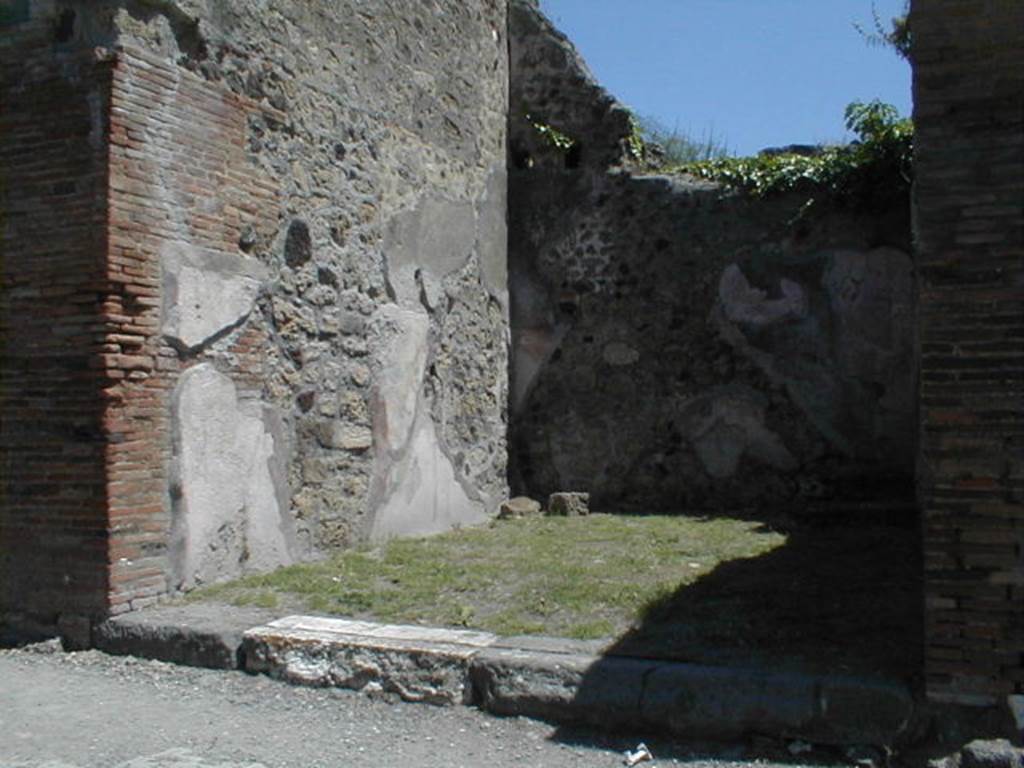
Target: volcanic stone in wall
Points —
{"points": [[677, 350]]}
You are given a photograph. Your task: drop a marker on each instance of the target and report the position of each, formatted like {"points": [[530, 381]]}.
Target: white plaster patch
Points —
{"points": [[423, 494], [426, 243], [492, 235], [229, 516], [720, 447], [206, 293], [1016, 707], [418, 491], [744, 303], [398, 385], [726, 425]]}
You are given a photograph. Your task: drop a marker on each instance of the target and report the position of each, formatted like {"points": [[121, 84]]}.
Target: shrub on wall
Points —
{"points": [[869, 173]]}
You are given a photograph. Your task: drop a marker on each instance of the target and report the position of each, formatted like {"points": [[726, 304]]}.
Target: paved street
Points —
{"points": [[87, 709]]}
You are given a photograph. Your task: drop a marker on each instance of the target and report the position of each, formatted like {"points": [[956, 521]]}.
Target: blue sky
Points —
{"points": [[751, 73]]}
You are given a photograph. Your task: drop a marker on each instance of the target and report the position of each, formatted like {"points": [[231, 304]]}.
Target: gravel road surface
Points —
{"points": [[77, 710]]}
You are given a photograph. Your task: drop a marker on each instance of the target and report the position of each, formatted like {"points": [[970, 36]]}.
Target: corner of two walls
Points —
{"points": [[305, 311], [308, 311], [678, 347]]}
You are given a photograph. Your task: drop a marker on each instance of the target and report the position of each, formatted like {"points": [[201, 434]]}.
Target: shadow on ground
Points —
{"points": [[841, 596]]}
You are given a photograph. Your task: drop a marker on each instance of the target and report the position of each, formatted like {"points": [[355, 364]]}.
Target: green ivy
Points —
{"points": [[552, 135], [870, 173], [635, 140]]}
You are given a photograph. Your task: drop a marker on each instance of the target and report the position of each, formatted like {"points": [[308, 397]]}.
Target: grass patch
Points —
{"points": [[587, 577]]}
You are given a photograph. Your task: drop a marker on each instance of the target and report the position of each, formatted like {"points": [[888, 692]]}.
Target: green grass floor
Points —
{"points": [[580, 577], [840, 597]]}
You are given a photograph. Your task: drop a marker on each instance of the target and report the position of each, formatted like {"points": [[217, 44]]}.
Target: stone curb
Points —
{"points": [[557, 680], [691, 699], [192, 635]]}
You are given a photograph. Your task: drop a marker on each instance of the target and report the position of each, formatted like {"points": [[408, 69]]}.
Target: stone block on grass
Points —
{"points": [[568, 504], [519, 507]]}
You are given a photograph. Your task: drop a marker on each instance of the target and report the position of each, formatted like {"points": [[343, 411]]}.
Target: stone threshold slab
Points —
{"points": [[566, 681], [427, 664], [369, 631]]}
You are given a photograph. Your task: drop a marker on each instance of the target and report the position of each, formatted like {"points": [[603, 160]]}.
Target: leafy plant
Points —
{"points": [[560, 141], [868, 173], [635, 141], [896, 35], [877, 124]]}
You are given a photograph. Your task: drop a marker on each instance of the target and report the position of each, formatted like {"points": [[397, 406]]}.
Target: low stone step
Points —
{"points": [[418, 663], [194, 635], [690, 699], [561, 687]]}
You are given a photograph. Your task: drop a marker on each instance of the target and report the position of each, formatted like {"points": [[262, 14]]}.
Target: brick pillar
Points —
{"points": [[53, 173], [107, 161], [969, 157]]}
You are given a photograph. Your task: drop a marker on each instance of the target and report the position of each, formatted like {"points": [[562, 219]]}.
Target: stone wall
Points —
{"points": [[678, 347], [298, 331], [969, 157]]}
